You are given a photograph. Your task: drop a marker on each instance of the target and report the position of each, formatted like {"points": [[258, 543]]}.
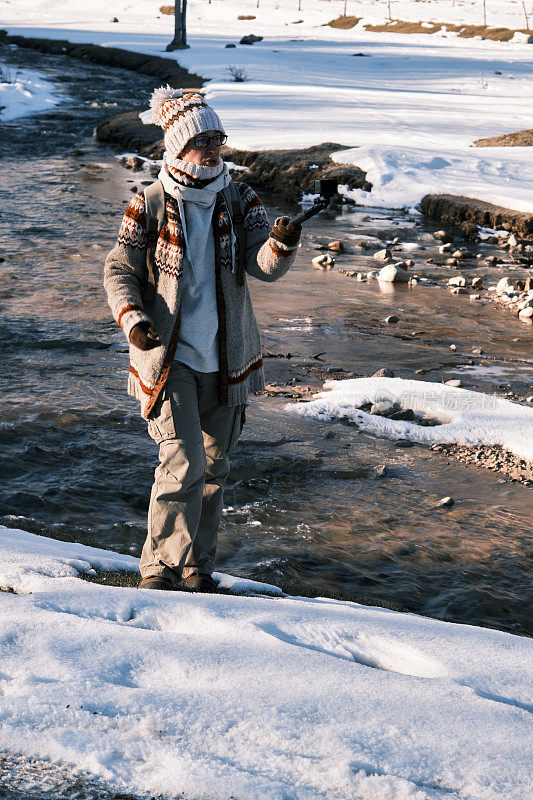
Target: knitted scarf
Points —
{"points": [[196, 176]]}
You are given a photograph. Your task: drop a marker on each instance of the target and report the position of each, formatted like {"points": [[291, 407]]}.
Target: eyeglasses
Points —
{"points": [[202, 141]]}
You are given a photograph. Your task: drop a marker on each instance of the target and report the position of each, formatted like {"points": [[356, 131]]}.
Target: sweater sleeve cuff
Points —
{"points": [[280, 249], [129, 316]]}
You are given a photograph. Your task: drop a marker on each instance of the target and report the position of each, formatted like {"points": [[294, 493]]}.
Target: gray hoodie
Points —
{"points": [[198, 342]]}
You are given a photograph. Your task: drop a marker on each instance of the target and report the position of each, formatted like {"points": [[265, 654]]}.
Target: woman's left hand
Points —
{"points": [[285, 232]]}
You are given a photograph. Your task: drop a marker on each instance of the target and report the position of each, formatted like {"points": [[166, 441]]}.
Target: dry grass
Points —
{"points": [[344, 23], [518, 139], [464, 31], [246, 16]]}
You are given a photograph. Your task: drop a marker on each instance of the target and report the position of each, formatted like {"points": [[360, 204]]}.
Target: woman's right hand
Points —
{"points": [[144, 336]]}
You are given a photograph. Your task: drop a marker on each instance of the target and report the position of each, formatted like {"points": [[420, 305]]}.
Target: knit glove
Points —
{"points": [[144, 336], [285, 232]]}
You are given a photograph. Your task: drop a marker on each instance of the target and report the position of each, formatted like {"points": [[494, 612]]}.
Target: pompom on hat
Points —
{"points": [[182, 116]]}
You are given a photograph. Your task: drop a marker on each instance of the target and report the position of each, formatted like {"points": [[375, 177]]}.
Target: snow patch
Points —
{"points": [[467, 417]]}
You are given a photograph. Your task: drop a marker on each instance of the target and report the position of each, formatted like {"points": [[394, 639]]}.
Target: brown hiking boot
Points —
{"points": [[156, 582], [200, 582]]}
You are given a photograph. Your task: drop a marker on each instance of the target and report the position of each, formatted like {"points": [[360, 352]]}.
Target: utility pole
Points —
{"points": [[179, 41]]}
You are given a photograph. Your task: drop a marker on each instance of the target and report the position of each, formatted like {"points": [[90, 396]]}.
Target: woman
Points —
{"points": [[195, 351]]}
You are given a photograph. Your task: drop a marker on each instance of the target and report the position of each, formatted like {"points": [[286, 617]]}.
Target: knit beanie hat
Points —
{"points": [[182, 116]]}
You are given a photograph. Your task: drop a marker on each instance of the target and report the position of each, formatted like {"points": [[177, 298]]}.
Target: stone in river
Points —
{"points": [[526, 313], [456, 382], [477, 282], [504, 284], [393, 273], [385, 372], [392, 320], [442, 236], [457, 280], [446, 502], [403, 443], [323, 262], [336, 247], [383, 255]]}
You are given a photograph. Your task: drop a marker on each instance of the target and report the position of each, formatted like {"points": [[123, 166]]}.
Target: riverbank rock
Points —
{"points": [[466, 214]]}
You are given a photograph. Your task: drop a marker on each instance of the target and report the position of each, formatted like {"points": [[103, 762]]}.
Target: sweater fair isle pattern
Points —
{"points": [[240, 359]]}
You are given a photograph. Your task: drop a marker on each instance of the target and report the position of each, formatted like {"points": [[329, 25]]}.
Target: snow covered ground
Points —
{"points": [[24, 92], [466, 417], [264, 697], [412, 105]]}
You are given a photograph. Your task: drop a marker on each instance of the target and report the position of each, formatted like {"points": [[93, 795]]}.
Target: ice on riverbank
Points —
{"points": [[466, 417], [24, 92], [218, 696]]}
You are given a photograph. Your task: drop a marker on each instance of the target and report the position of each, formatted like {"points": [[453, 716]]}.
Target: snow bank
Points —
{"points": [[402, 176], [412, 106], [468, 418], [25, 92], [219, 696]]}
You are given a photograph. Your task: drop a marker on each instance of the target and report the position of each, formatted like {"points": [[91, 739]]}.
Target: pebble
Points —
{"points": [[477, 282], [478, 351], [459, 290], [454, 382], [385, 408], [442, 236], [380, 472], [337, 247], [457, 280], [446, 502], [451, 262], [393, 319], [453, 348], [526, 313], [323, 262], [385, 372]]}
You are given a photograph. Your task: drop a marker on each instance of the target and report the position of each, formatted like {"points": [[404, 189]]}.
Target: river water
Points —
{"points": [[305, 507]]}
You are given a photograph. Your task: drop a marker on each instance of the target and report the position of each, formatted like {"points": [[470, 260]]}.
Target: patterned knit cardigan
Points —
{"points": [[240, 361]]}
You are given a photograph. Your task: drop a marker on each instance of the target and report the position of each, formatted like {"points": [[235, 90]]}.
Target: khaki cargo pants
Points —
{"points": [[195, 436]]}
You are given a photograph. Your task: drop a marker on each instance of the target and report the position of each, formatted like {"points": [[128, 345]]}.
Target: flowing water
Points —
{"points": [[305, 506]]}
